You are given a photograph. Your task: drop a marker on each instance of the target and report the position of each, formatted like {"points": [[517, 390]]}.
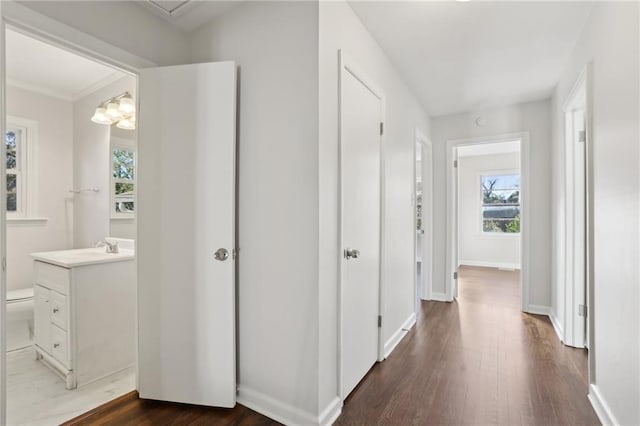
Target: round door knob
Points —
{"points": [[221, 254]]}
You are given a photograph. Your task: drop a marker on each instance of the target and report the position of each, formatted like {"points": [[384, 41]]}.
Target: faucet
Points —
{"points": [[110, 247]]}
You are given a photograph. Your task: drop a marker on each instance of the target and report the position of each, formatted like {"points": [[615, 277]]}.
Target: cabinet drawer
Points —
{"points": [[51, 276], [59, 347], [42, 317], [59, 309]]}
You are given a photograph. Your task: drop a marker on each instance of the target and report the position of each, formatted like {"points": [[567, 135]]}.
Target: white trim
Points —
{"points": [[483, 264], [451, 244], [600, 406], [393, 341], [12, 221], [274, 409], [331, 413], [3, 226], [439, 297], [41, 27], [97, 86], [556, 324], [347, 65], [537, 310], [427, 239], [39, 90]]}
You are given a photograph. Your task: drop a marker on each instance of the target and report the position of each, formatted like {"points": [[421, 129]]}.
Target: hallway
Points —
{"points": [[476, 361]]}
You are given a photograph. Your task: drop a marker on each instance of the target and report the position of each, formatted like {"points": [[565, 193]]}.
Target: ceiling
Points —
{"points": [[40, 67], [463, 56], [188, 15]]}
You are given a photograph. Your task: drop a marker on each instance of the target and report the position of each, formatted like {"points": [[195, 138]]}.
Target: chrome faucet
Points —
{"points": [[109, 247]]}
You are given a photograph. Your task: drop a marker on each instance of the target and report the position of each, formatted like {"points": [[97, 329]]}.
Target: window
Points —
{"points": [[501, 203], [123, 179]]}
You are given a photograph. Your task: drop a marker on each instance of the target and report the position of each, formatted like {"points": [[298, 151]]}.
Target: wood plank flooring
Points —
{"points": [[477, 361]]}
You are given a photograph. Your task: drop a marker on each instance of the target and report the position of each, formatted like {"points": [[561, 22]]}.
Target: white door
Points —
{"points": [[361, 115], [186, 234]]}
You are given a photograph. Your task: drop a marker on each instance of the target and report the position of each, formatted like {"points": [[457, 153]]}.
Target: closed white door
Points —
{"points": [[361, 115], [186, 234]]}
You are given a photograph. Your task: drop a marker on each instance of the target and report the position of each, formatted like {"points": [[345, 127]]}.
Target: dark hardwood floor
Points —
{"points": [[477, 361]]}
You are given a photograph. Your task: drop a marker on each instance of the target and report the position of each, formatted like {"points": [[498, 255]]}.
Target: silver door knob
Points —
{"points": [[350, 253], [221, 254]]}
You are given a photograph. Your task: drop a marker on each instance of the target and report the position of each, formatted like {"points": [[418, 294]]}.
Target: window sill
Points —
{"points": [[27, 220], [123, 218]]}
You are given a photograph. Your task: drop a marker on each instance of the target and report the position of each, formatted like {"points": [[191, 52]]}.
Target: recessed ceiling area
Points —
{"points": [[188, 15], [40, 67], [464, 56]]}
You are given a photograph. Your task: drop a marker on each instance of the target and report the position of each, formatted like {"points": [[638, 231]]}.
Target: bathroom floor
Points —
{"points": [[36, 395]]}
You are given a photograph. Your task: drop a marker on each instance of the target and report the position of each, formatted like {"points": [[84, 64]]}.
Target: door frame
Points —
{"points": [[346, 64], [578, 98], [30, 23], [451, 208], [427, 261]]}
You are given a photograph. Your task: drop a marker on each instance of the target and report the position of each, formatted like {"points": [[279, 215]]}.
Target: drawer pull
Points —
{"points": [[56, 345], [56, 310]]}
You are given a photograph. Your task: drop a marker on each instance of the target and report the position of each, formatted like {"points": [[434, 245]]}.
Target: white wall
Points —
{"points": [[476, 248], [340, 28], [92, 165], [53, 168], [534, 118], [610, 41], [275, 45]]}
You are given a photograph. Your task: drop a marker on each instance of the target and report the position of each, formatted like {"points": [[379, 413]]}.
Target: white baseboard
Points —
{"points": [[556, 325], [538, 310], [481, 263], [393, 341], [439, 297], [274, 409], [330, 414], [600, 406]]}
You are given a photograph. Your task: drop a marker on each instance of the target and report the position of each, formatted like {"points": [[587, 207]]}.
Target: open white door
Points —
{"points": [[186, 234]]}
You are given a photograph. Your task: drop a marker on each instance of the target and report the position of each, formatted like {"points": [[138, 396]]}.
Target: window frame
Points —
{"points": [[26, 176], [499, 172], [129, 145]]}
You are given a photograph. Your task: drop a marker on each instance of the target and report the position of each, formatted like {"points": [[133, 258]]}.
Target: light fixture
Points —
{"points": [[127, 124], [120, 109], [101, 117], [127, 106]]}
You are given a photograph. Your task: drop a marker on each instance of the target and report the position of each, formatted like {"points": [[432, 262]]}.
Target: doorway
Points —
{"points": [[65, 167], [487, 208], [361, 171]]}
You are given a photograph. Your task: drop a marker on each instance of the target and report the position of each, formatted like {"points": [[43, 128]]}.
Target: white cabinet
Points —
{"points": [[85, 319]]}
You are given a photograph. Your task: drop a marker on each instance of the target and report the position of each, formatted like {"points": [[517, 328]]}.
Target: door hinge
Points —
{"points": [[455, 275], [379, 320], [582, 310], [4, 264], [455, 163], [582, 136], [381, 128]]}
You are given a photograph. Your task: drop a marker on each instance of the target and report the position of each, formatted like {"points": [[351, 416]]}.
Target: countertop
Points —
{"points": [[82, 257]]}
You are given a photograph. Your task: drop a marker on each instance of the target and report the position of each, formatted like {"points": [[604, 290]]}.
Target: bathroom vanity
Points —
{"points": [[84, 309]]}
